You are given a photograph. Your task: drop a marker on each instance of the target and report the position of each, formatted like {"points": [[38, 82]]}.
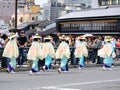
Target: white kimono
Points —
{"points": [[48, 49], [11, 49], [35, 51], [81, 50], [63, 50]]}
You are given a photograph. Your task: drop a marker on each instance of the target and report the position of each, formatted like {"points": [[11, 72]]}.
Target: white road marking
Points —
{"points": [[84, 83], [58, 87]]}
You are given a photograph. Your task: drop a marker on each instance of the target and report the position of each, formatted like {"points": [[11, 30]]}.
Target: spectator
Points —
{"points": [[2, 41], [5, 38], [96, 45], [118, 49], [30, 39], [113, 42], [22, 42]]}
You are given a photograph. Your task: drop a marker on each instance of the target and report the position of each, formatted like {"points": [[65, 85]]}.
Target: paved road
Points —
{"points": [[91, 78]]}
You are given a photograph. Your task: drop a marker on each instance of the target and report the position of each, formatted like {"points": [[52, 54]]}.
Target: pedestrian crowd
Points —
{"points": [[98, 50]]}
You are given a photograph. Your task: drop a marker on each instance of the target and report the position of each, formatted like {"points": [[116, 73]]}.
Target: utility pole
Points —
{"points": [[16, 5]]}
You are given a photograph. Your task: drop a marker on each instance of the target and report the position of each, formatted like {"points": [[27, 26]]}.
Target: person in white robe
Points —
{"points": [[35, 54], [48, 52], [63, 53], [11, 52], [81, 52], [108, 53]]}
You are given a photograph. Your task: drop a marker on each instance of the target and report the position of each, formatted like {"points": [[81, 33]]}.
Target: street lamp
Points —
{"points": [[16, 4]]}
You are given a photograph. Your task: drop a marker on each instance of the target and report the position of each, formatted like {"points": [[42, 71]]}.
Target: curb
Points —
{"points": [[19, 69]]}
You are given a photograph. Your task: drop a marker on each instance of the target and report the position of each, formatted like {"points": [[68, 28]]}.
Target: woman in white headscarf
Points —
{"points": [[11, 52]]}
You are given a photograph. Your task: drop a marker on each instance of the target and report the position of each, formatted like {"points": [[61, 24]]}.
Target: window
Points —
{"points": [[103, 3], [94, 25], [118, 1], [114, 2]]}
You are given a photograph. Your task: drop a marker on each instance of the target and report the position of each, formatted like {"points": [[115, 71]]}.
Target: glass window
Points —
{"points": [[114, 2], [118, 1], [103, 3]]}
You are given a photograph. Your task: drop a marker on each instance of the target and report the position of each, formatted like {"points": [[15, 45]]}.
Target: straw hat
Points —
{"points": [[67, 38], [82, 37], [36, 36], [48, 38], [108, 38]]}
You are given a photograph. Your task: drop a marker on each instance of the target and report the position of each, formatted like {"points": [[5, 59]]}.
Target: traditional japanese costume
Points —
{"points": [[108, 53], [11, 52], [81, 52], [63, 53], [48, 53], [35, 54]]}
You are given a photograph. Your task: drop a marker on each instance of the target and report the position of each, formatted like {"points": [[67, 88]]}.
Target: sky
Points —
{"points": [[40, 2]]}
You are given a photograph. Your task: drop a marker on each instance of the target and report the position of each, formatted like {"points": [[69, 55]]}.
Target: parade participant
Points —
{"points": [[63, 53], [48, 53], [11, 52], [81, 51], [107, 52], [35, 54]]}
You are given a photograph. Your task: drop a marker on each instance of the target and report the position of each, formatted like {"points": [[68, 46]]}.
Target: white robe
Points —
{"points": [[62, 50], [81, 50], [35, 51], [107, 50], [11, 49], [48, 49]]}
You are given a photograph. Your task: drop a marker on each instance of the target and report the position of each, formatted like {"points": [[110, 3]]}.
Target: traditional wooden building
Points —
{"points": [[95, 21]]}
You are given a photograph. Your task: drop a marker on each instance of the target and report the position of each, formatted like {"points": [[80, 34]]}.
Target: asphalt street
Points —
{"points": [[90, 78]]}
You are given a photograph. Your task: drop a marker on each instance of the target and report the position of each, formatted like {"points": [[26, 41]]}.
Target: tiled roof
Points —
{"points": [[45, 23], [23, 25], [47, 32], [114, 11]]}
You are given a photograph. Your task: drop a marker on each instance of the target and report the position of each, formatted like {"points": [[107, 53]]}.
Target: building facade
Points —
{"points": [[108, 2], [52, 10], [83, 4], [91, 21], [8, 8]]}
